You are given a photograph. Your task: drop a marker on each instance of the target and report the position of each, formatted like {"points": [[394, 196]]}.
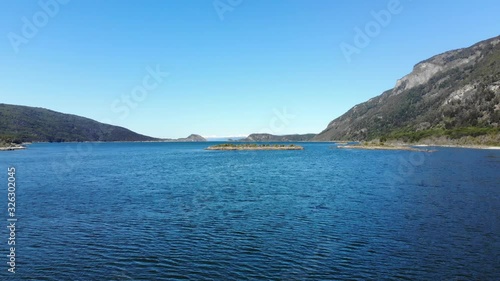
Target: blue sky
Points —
{"points": [[234, 67]]}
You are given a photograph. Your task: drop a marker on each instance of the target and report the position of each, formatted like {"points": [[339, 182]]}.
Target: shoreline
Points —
{"points": [[489, 147], [383, 147], [11, 148], [416, 147]]}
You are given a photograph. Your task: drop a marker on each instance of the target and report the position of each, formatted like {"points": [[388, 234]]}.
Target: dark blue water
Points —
{"points": [[173, 211]]}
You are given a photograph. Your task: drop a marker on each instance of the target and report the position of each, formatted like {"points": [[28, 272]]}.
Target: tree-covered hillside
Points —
{"points": [[29, 124]]}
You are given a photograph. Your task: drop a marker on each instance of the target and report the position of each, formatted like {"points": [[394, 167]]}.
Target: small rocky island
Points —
{"points": [[253, 146]]}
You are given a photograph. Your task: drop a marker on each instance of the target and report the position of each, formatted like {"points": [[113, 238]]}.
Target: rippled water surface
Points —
{"points": [[173, 211]]}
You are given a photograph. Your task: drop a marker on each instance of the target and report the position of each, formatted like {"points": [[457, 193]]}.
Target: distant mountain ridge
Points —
{"points": [[273, 138], [32, 124], [452, 95]]}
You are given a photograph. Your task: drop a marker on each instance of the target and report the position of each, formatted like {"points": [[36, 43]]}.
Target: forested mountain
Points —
{"points": [[29, 124]]}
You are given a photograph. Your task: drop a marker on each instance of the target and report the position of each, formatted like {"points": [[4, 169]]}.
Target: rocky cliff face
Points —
{"points": [[454, 90]]}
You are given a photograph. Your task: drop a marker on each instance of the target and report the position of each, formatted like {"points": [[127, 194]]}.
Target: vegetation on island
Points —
{"points": [[4, 145], [254, 146]]}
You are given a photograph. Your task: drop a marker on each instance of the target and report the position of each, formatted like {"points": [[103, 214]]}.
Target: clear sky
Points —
{"points": [[234, 67]]}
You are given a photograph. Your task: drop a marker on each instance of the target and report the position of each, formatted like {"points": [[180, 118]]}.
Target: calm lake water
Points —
{"points": [[173, 211]]}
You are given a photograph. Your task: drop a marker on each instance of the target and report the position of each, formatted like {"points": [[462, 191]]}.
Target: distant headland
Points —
{"points": [[191, 138]]}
